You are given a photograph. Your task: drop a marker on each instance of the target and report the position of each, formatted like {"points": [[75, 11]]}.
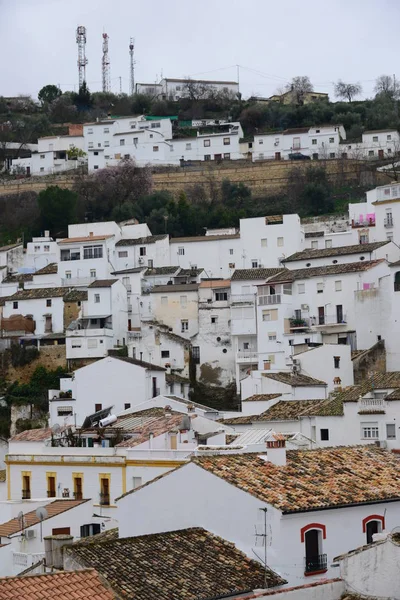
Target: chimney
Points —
{"points": [[191, 410], [54, 549], [167, 411], [276, 452], [47, 233], [151, 437], [90, 233]]}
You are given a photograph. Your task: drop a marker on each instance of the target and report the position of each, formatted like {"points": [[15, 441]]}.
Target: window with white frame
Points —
{"points": [[260, 141], [123, 254], [93, 252], [164, 300], [107, 144], [188, 146], [369, 431], [181, 251], [231, 251], [338, 285], [90, 130], [320, 288], [227, 141], [93, 273], [301, 288], [264, 242], [106, 130], [37, 248], [270, 315], [221, 296], [227, 155], [207, 143], [90, 144], [328, 243], [314, 141], [97, 298], [331, 140], [314, 244], [68, 274], [389, 137], [279, 241], [183, 301], [332, 155], [184, 325], [254, 263], [272, 336], [390, 431], [155, 148], [375, 138], [142, 251], [122, 142], [91, 343]]}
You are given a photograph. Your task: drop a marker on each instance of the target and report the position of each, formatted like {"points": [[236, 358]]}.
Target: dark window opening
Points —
{"points": [[324, 435]]}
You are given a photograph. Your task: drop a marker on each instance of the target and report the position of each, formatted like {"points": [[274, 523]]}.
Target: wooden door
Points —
{"points": [[321, 315]]}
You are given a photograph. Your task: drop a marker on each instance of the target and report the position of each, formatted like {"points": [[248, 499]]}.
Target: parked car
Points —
{"points": [[299, 156]]}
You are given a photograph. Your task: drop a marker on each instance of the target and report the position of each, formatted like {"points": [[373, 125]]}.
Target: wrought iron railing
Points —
{"points": [[315, 563], [104, 499]]}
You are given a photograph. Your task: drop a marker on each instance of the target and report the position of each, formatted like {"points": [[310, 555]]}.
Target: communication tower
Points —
{"points": [[105, 65], [82, 60], [132, 67]]}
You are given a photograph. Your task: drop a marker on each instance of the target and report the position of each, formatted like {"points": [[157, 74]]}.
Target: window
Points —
{"points": [[196, 354], [91, 344], [92, 273], [320, 288], [390, 431], [314, 244], [15, 305], [48, 302], [389, 237], [336, 362], [67, 274], [135, 141], [95, 153], [214, 320], [264, 242], [331, 140], [90, 144], [332, 155], [97, 298], [64, 411], [338, 286], [183, 301], [90, 130], [37, 248], [389, 137], [89, 530], [279, 241], [92, 252], [254, 264], [230, 251], [123, 254], [221, 296], [227, 141], [46, 248], [375, 138], [41, 169], [369, 431], [181, 251], [42, 156], [164, 353], [164, 300], [314, 141], [127, 405], [96, 167], [328, 243], [122, 142], [150, 263], [270, 315], [184, 325], [155, 148], [188, 146], [136, 482], [142, 251], [301, 288], [207, 143], [389, 151], [207, 157], [227, 156], [371, 153], [324, 435], [106, 130], [272, 336], [260, 141], [296, 143]]}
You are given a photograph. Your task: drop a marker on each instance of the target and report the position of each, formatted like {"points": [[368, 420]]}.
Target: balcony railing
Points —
{"points": [[247, 356], [372, 404], [104, 499], [242, 298], [328, 320], [77, 281], [267, 300], [299, 323], [314, 564], [363, 223], [26, 494], [388, 222], [134, 335]]}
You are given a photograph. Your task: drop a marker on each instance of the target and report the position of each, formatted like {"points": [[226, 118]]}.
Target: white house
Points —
{"points": [[298, 497], [175, 89], [149, 251], [41, 251], [52, 156], [177, 306]]}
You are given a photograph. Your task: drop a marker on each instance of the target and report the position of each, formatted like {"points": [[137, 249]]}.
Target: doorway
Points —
{"points": [[372, 528], [321, 315], [339, 313], [381, 154], [277, 156], [314, 559]]}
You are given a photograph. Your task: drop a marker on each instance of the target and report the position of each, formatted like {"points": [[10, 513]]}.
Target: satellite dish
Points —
{"points": [[41, 513], [395, 530], [56, 428]]}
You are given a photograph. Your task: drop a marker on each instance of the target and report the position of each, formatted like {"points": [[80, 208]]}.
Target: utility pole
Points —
{"points": [[132, 67], [82, 60], [120, 84], [105, 65]]}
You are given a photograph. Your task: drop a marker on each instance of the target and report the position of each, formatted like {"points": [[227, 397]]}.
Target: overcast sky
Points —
{"points": [[355, 40]]}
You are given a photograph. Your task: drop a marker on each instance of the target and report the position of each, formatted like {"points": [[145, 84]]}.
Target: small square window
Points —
{"points": [[214, 320], [188, 146], [48, 302], [375, 138], [41, 169], [97, 298], [207, 143], [95, 167], [260, 141], [314, 141], [127, 405], [332, 155], [264, 242], [227, 156], [90, 144], [390, 431], [227, 141], [388, 137], [92, 273], [328, 243], [123, 254], [207, 157], [272, 336], [320, 288], [279, 241], [254, 264], [314, 244], [331, 140], [371, 153], [164, 353], [90, 130], [95, 153], [122, 142], [155, 148], [324, 433]]}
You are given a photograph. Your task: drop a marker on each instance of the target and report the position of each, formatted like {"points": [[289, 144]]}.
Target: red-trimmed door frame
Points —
{"points": [[373, 518], [306, 528]]}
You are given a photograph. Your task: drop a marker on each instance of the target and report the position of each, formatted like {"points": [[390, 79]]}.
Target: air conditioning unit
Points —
{"points": [[381, 444], [141, 260], [295, 369], [305, 307], [30, 534], [276, 143], [296, 362]]}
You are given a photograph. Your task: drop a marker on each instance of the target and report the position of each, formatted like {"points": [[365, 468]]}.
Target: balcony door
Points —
{"points": [[314, 559], [372, 528], [51, 487], [321, 315], [339, 313]]}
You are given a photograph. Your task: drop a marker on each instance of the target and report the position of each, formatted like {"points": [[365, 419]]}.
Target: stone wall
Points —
{"points": [[370, 361], [50, 357]]}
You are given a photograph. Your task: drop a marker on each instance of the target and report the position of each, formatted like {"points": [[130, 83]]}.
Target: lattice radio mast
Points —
{"points": [[82, 60], [105, 65], [132, 67]]}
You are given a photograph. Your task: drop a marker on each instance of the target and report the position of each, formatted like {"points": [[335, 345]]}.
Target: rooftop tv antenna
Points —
{"points": [[105, 65], [132, 66], [82, 60], [41, 514], [21, 519]]}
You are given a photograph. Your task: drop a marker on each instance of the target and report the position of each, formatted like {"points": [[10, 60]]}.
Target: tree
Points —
{"points": [[300, 86], [196, 90], [83, 99], [347, 91], [57, 209], [74, 153], [63, 109], [48, 94], [387, 86]]}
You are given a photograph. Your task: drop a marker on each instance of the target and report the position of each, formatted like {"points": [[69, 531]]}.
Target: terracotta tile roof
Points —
{"points": [[395, 395], [32, 435], [340, 251], [36, 293], [312, 479], [89, 238], [3, 475], [139, 363], [133, 270], [229, 438], [205, 238], [76, 295], [4, 299], [296, 130], [157, 425], [161, 271], [210, 283], [179, 287], [189, 272], [53, 509], [104, 536], [261, 397], [382, 381], [18, 277], [50, 269], [342, 269], [293, 379], [195, 565], [289, 410], [64, 585], [103, 283], [150, 239], [175, 378], [250, 274]]}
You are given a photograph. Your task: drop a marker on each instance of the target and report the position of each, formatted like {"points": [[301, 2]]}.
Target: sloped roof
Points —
{"points": [[103, 283], [32, 435], [145, 423], [149, 239], [190, 403], [87, 238], [259, 273], [132, 270], [390, 380], [205, 238], [293, 379], [50, 269], [310, 253], [312, 479], [75, 295], [340, 269], [175, 378], [64, 585], [10, 247], [215, 283], [138, 363], [161, 271], [179, 287], [37, 293], [30, 518], [18, 277], [189, 272], [261, 397], [195, 565]]}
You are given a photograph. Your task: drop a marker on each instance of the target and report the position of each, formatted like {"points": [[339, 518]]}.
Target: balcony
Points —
{"points": [[247, 357], [363, 222], [134, 335], [105, 331], [372, 405], [388, 222], [315, 564], [267, 300], [26, 494], [327, 320], [242, 299], [104, 499], [299, 324]]}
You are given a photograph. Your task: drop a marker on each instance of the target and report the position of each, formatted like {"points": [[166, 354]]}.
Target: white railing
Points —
{"points": [[90, 332], [372, 403], [77, 281], [134, 335], [267, 300], [248, 356], [20, 559], [242, 298]]}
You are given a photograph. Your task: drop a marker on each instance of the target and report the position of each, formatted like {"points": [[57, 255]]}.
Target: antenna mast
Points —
{"points": [[105, 65], [82, 60], [132, 67]]}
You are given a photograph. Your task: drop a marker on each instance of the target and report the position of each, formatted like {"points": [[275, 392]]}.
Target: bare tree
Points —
{"points": [[347, 91], [387, 86], [300, 86], [197, 90]]}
